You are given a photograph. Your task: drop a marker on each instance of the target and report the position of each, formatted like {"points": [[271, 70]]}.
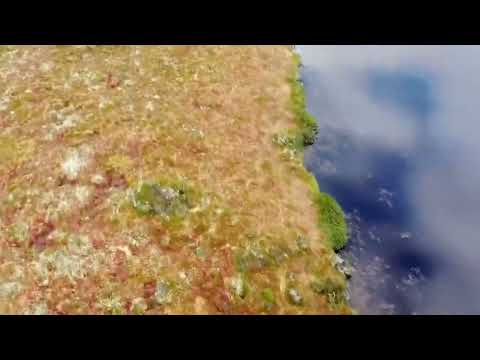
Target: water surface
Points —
{"points": [[399, 148]]}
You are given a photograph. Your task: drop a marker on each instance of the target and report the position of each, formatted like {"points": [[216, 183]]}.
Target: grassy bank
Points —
{"points": [[330, 214], [161, 180]]}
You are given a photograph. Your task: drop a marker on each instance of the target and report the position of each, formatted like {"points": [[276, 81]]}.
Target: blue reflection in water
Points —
{"points": [[407, 89], [378, 138]]}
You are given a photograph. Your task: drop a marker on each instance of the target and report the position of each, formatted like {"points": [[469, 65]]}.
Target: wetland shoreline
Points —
{"points": [[124, 185]]}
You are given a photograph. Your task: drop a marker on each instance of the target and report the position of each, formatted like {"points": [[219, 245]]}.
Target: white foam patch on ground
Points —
{"points": [[9, 289], [72, 165], [65, 199], [82, 194], [75, 161]]}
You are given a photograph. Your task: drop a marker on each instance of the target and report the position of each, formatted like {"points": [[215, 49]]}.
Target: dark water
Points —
{"points": [[399, 148]]}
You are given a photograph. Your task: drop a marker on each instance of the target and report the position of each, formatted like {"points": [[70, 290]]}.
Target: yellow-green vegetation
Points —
{"points": [[161, 180], [306, 123], [330, 214]]}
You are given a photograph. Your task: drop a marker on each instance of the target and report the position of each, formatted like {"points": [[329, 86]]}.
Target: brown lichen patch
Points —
{"points": [[83, 127]]}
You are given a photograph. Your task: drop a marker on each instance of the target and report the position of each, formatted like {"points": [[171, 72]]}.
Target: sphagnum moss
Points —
{"points": [[144, 180]]}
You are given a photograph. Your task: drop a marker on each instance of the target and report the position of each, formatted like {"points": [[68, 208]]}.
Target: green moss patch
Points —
{"points": [[289, 140], [170, 200], [333, 220], [256, 256], [307, 125], [331, 216]]}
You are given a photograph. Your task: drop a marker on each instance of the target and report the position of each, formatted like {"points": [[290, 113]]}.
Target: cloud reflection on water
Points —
{"points": [[399, 124]]}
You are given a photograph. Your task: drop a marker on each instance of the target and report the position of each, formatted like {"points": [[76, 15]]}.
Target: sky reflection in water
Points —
{"points": [[399, 148]]}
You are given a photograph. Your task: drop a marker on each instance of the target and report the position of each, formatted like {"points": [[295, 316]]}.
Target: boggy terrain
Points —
{"points": [[161, 180]]}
